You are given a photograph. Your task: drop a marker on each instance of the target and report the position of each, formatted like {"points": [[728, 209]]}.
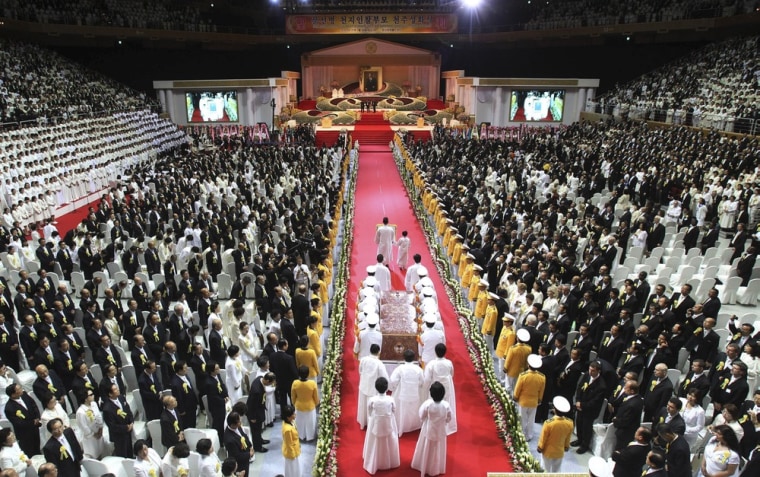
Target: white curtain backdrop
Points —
{"points": [[314, 77]]}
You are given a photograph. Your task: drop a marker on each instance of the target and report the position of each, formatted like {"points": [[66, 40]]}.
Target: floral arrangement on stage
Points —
{"points": [[506, 416], [326, 458]]}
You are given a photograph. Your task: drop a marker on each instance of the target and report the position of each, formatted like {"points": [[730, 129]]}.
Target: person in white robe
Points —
{"points": [[147, 462], [249, 346], [90, 426], [370, 368], [407, 382], [176, 461], [441, 370], [382, 275], [385, 235], [403, 244], [429, 339], [367, 337], [413, 273], [381, 450], [430, 453], [235, 371]]}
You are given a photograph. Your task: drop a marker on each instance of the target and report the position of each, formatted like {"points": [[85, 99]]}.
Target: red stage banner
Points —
{"points": [[377, 23]]}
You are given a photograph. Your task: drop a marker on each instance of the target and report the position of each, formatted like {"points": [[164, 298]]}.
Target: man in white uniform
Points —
{"points": [[407, 383], [412, 276], [368, 337], [429, 338], [384, 238], [370, 368], [382, 274]]}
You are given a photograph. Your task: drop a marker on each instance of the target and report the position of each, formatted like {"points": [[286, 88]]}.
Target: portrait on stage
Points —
{"points": [[372, 80]]}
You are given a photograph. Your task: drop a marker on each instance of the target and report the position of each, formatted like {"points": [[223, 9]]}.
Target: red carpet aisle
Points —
{"points": [[476, 448]]}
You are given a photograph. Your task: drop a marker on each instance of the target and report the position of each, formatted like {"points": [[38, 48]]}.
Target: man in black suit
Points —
{"points": [[167, 360], [84, 381], [257, 409], [657, 392], [584, 343], [107, 354], [24, 415], [63, 449], [183, 391], [710, 238], [642, 291], [301, 309], [681, 302], [48, 382], [119, 419], [217, 348], [612, 347], [567, 379], [9, 345], [656, 234], [656, 463], [745, 265], [677, 454], [150, 391], [633, 362], [217, 396], [154, 334], [171, 426], [731, 389], [588, 403], [704, 344], [630, 459], [670, 415], [289, 332], [140, 354], [738, 242], [237, 443], [214, 261], [271, 346], [691, 236], [628, 415], [711, 305], [283, 366], [132, 321], [695, 379]]}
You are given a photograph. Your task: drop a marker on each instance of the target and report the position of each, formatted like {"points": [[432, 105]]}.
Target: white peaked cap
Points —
{"points": [[372, 319], [534, 361], [523, 335], [422, 271], [430, 318], [561, 404]]}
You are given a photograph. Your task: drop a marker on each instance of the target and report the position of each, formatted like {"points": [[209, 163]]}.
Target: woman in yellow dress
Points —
{"points": [[306, 356], [291, 444], [305, 398]]}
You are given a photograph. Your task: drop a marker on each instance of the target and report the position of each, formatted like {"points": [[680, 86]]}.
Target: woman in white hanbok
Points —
{"points": [[11, 455], [551, 304], [249, 346], [175, 463], [639, 237], [235, 372], [441, 370], [430, 454], [693, 416], [90, 427], [269, 390], [381, 449], [210, 466], [403, 250], [53, 410]]}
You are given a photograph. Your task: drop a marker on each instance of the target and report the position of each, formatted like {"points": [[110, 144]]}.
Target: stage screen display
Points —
{"points": [[211, 106], [537, 105]]}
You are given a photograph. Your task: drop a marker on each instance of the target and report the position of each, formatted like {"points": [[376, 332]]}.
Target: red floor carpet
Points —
{"points": [[475, 448]]}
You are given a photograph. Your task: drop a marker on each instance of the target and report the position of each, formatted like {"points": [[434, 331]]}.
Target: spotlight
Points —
{"points": [[471, 3]]}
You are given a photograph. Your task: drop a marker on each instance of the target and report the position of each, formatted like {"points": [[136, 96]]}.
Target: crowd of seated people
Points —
{"points": [[44, 167], [203, 272], [159, 14], [524, 216], [715, 87], [588, 13], [38, 83]]}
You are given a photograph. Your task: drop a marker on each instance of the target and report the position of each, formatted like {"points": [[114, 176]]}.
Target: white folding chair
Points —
{"points": [[748, 295], [154, 429], [730, 291]]}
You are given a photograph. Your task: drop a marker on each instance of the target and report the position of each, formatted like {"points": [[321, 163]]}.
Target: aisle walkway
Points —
{"points": [[476, 448]]}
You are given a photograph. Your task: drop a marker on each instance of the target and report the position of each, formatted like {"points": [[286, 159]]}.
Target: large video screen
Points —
{"points": [[211, 106], [537, 105]]}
